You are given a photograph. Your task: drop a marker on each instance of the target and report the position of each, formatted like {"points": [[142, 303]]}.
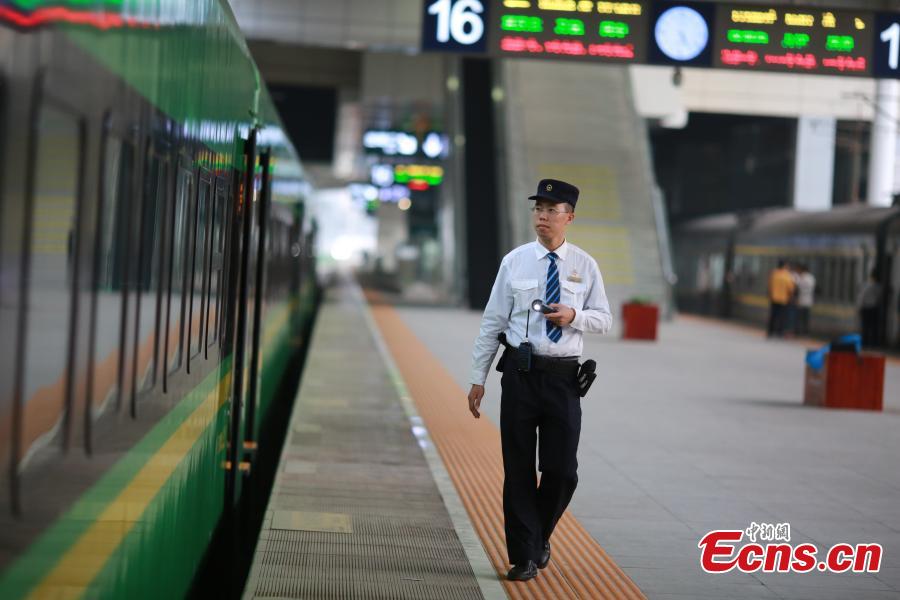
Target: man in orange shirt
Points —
{"points": [[781, 290]]}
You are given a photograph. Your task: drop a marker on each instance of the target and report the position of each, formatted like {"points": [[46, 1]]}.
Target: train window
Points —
{"points": [[831, 277], [198, 270], [177, 271], [716, 271], [51, 273], [753, 271], [843, 279], [852, 279], [110, 268], [216, 262], [816, 268], [849, 269], [149, 272]]}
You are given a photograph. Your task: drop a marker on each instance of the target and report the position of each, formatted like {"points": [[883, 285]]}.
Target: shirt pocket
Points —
{"points": [[524, 292], [572, 294]]}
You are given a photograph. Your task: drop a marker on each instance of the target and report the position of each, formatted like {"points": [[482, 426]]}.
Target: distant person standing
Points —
{"points": [[868, 301], [806, 289], [781, 289], [790, 321]]}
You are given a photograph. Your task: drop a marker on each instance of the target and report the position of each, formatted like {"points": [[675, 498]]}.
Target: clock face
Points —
{"points": [[681, 33]]}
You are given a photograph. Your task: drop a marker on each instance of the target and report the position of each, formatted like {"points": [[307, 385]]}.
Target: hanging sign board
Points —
{"points": [[776, 38]]}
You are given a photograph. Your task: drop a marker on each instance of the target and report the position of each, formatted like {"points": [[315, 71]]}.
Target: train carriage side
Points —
{"points": [[124, 219], [839, 247], [723, 263]]}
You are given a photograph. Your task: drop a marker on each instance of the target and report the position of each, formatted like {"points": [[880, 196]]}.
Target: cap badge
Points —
{"points": [[549, 187]]}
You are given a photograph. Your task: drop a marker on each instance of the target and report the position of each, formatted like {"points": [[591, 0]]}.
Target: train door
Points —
{"points": [[237, 316], [262, 211], [49, 292]]}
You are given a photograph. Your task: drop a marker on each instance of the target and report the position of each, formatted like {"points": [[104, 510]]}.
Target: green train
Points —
{"points": [[157, 279]]}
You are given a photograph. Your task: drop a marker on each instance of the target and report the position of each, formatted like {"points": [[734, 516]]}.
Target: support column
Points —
{"points": [[883, 153], [481, 200], [814, 163]]}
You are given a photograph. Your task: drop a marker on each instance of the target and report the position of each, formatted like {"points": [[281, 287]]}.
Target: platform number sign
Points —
{"points": [[455, 25], [886, 61]]}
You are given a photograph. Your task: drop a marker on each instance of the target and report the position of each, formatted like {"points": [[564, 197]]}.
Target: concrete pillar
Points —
{"points": [[884, 143], [814, 163]]}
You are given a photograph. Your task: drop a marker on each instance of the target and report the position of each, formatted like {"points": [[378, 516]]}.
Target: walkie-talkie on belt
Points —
{"points": [[586, 376]]}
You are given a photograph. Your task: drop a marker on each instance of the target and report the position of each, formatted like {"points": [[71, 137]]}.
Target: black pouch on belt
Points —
{"points": [[586, 376]]}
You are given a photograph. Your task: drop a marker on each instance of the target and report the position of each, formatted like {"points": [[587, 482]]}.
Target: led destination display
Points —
{"points": [[784, 38], [604, 31], [794, 39]]}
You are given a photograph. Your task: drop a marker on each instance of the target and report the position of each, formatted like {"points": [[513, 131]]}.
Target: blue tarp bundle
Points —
{"points": [[816, 358]]}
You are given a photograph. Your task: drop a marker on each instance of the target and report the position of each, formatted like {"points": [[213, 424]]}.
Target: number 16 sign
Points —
{"points": [[455, 25]]}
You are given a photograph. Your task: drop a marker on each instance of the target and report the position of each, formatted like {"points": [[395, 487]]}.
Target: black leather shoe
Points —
{"points": [[545, 556], [523, 572]]}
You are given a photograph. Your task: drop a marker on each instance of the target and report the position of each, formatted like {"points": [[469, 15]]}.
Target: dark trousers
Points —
{"points": [[802, 320], [777, 317], [537, 409], [868, 318]]}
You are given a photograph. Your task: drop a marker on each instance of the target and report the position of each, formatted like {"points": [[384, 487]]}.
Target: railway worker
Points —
{"points": [[542, 396], [868, 301], [781, 289]]}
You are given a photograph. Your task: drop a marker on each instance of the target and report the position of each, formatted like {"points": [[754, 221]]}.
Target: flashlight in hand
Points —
{"points": [[539, 306]]}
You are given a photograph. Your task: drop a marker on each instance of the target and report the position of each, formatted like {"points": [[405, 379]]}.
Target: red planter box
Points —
{"points": [[639, 321], [847, 380]]}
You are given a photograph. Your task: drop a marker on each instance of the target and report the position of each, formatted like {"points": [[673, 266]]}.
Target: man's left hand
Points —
{"points": [[563, 315]]}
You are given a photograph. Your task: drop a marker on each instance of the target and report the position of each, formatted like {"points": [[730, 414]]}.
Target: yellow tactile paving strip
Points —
{"points": [[471, 453]]}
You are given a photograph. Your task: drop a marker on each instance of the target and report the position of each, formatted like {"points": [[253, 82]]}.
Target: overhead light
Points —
{"points": [[404, 204], [407, 145], [393, 193], [370, 192], [391, 142], [433, 145], [382, 175]]}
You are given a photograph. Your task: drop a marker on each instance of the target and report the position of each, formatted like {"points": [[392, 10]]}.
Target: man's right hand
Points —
{"points": [[475, 396]]}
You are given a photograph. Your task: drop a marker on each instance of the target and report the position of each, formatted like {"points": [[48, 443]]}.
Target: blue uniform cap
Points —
{"points": [[554, 190]]}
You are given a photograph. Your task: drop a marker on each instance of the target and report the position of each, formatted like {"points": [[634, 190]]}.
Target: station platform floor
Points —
{"points": [[703, 430]]}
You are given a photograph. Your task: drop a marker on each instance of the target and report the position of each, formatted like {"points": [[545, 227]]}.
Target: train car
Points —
{"points": [[723, 263], [156, 280]]}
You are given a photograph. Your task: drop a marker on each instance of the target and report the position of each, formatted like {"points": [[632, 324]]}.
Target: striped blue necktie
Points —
{"points": [[554, 332]]}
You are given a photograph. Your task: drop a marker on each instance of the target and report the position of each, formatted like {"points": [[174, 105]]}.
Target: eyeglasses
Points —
{"points": [[550, 212]]}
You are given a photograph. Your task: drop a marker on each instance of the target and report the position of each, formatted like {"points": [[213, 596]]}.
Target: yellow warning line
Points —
{"points": [[471, 453]]}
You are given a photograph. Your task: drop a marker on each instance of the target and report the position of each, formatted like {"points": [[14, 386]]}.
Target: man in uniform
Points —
{"points": [[542, 396]]}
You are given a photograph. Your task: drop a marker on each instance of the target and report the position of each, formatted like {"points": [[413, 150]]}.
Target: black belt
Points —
{"points": [[565, 366]]}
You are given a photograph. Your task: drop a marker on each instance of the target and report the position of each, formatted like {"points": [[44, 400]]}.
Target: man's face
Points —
{"points": [[551, 219]]}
